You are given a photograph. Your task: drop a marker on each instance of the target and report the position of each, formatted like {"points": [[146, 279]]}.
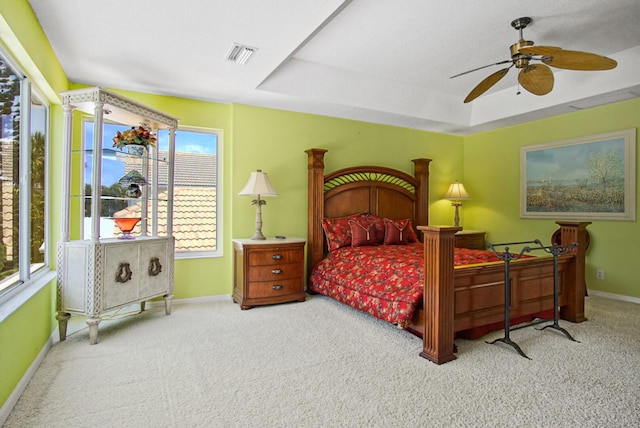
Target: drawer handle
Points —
{"points": [[154, 267], [123, 274], [276, 271], [277, 287], [276, 256]]}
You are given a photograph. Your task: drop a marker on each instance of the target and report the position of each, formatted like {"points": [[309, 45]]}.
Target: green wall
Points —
{"points": [[492, 176], [275, 141], [22, 337]]}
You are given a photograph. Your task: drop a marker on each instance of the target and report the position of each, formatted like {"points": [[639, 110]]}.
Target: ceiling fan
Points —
{"points": [[537, 77]]}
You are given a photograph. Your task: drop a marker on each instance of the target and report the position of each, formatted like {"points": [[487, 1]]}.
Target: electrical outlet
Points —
{"points": [[599, 273]]}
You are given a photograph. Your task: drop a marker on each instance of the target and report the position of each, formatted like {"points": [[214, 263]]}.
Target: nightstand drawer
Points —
{"points": [[275, 272], [262, 289], [274, 256], [470, 239]]}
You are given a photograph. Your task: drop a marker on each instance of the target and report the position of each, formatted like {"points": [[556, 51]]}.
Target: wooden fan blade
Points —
{"points": [[570, 60], [537, 79], [575, 60], [486, 84]]}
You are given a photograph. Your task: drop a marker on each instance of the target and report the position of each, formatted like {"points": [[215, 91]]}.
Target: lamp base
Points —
{"points": [[456, 216], [258, 236]]}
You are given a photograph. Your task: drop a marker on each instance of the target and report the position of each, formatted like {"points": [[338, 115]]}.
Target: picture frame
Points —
{"points": [[585, 178]]}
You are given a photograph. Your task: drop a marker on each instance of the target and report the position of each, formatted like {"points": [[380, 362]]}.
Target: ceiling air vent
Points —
{"points": [[240, 54]]}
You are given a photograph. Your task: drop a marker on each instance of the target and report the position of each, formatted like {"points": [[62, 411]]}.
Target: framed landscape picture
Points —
{"points": [[586, 178]]}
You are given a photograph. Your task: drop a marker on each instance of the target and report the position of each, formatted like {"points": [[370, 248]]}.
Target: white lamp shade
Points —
{"points": [[456, 192], [258, 184]]}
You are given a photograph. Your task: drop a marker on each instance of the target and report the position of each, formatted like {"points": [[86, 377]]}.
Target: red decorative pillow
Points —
{"points": [[399, 232], [363, 232], [337, 231], [378, 223], [412, 233]]}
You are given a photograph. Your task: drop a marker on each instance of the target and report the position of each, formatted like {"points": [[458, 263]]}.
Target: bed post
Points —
{"points": [[576, 287], [315, 206], [421, 173], [438, 335]]}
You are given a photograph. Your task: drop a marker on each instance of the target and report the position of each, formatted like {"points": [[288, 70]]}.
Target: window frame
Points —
{"points": [[26, 282], [184, 255]]}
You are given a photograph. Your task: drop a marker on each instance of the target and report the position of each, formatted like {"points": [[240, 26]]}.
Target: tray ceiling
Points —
{"points": [[373, 60]]}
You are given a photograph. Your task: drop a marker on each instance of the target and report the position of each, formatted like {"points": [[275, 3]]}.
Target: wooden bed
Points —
{"points": [[455, 299]]}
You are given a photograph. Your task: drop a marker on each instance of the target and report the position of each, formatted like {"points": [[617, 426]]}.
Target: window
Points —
{"points": [[23, 169], [195, 199], [196, 205]]}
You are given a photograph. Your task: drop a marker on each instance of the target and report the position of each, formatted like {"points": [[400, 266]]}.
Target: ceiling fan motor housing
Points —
{"points": [[519, 59]]}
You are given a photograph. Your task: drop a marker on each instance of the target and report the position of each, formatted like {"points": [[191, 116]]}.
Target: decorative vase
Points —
{"points": [[136, 149], [126, 225]]}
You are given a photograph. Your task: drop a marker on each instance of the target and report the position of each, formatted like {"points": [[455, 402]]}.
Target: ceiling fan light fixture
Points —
{"points": [[240, 54]]}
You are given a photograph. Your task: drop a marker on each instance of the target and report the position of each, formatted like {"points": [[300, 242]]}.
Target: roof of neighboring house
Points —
{"points": [[9, 221], [194, 218], [191, 169]]}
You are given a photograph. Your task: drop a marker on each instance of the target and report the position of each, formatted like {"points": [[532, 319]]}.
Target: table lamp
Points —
{"points": [[258, 185], [455, 194]]}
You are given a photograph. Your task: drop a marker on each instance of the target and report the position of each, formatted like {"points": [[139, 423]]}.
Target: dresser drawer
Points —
{"points": [[275, 272], [262, 289], [274, 256]]}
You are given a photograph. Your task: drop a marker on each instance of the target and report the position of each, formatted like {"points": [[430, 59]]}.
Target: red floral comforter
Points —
{"points": [[384, 281]]}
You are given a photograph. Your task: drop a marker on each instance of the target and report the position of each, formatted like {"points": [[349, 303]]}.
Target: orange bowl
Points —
{"points": [[127, 224]]}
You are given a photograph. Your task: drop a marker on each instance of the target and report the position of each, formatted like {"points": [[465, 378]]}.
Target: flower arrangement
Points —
{"points": [[141, 135]]}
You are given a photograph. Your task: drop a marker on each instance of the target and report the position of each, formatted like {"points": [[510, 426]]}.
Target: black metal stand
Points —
{"points": [[556, 250], [507, 257]]}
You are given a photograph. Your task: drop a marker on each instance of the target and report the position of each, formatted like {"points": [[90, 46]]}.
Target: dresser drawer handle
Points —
{"points": [[123, 274], [277, 287], [276, 256], [276, 271], [154, 267]]}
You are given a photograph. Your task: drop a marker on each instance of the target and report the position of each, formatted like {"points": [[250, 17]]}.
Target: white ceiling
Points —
{"points": [[380, 61]]}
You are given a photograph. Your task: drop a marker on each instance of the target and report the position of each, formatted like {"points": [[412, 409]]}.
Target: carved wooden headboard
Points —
{"points": [[385, 192]]}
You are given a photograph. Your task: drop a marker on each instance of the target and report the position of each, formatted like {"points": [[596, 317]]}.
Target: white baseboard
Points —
{"points": [[204, 299], [613, 296]]}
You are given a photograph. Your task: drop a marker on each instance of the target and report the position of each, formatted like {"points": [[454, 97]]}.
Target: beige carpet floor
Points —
{"points": [[322, 364]]}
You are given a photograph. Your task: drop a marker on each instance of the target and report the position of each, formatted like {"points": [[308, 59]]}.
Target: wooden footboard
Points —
{"points": [[457, 299]]}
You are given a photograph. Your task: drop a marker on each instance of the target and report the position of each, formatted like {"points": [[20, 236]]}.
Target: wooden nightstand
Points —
{"points": [[268, 272], [473, 239]]}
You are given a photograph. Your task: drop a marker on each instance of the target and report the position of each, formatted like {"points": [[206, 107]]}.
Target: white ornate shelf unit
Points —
{"points": [[99, 275]]}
